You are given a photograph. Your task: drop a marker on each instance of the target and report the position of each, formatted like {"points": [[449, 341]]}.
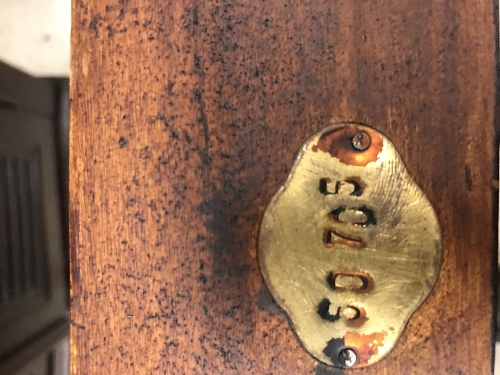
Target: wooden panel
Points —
{"points": [[185, 117]]}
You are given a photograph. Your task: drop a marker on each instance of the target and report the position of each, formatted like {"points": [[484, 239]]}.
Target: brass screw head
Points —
{"points": [[361, 141], [348, 357]]}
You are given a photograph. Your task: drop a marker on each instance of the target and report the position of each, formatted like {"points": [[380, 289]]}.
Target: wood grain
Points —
{"points": [[185, 117]]}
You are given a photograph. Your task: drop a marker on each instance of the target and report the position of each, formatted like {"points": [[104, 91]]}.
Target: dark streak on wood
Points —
{"points": [[468, 178], [74, 260], [322, 369], [76, 325]]}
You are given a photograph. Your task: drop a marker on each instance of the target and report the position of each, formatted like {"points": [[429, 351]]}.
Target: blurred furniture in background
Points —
{"points": [[33, 279]]}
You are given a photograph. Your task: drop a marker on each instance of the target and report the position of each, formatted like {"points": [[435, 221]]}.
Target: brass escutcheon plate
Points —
{"points": [[349, 246]]}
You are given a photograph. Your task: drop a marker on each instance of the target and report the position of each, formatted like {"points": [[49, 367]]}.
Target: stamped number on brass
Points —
{"points": [[349, 246]]}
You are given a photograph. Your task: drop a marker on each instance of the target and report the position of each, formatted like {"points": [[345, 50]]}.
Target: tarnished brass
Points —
{"points": [[349, 246]]}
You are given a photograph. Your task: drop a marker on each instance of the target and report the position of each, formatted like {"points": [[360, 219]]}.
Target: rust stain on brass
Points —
{"points": [[366, 345], [349, 246], [338, 143]]}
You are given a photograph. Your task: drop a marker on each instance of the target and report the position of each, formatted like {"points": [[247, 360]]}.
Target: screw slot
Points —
{"points": [[348, 357], [361, 140]]}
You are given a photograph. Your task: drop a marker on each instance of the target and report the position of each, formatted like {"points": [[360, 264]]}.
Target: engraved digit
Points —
{"points": [[351, 185], [355, 316], [366, 280], [362, 216], [324, 311], [332, 237], [325, 186]]}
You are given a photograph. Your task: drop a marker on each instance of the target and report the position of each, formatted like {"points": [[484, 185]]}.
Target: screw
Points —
{"points": [[361, 141], [348, 357]]}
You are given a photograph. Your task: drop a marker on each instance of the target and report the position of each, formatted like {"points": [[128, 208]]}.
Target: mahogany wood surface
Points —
{"points": [[185, 116]]}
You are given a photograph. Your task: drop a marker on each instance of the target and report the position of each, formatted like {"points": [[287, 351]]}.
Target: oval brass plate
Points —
{"points": [[349, 246]]}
